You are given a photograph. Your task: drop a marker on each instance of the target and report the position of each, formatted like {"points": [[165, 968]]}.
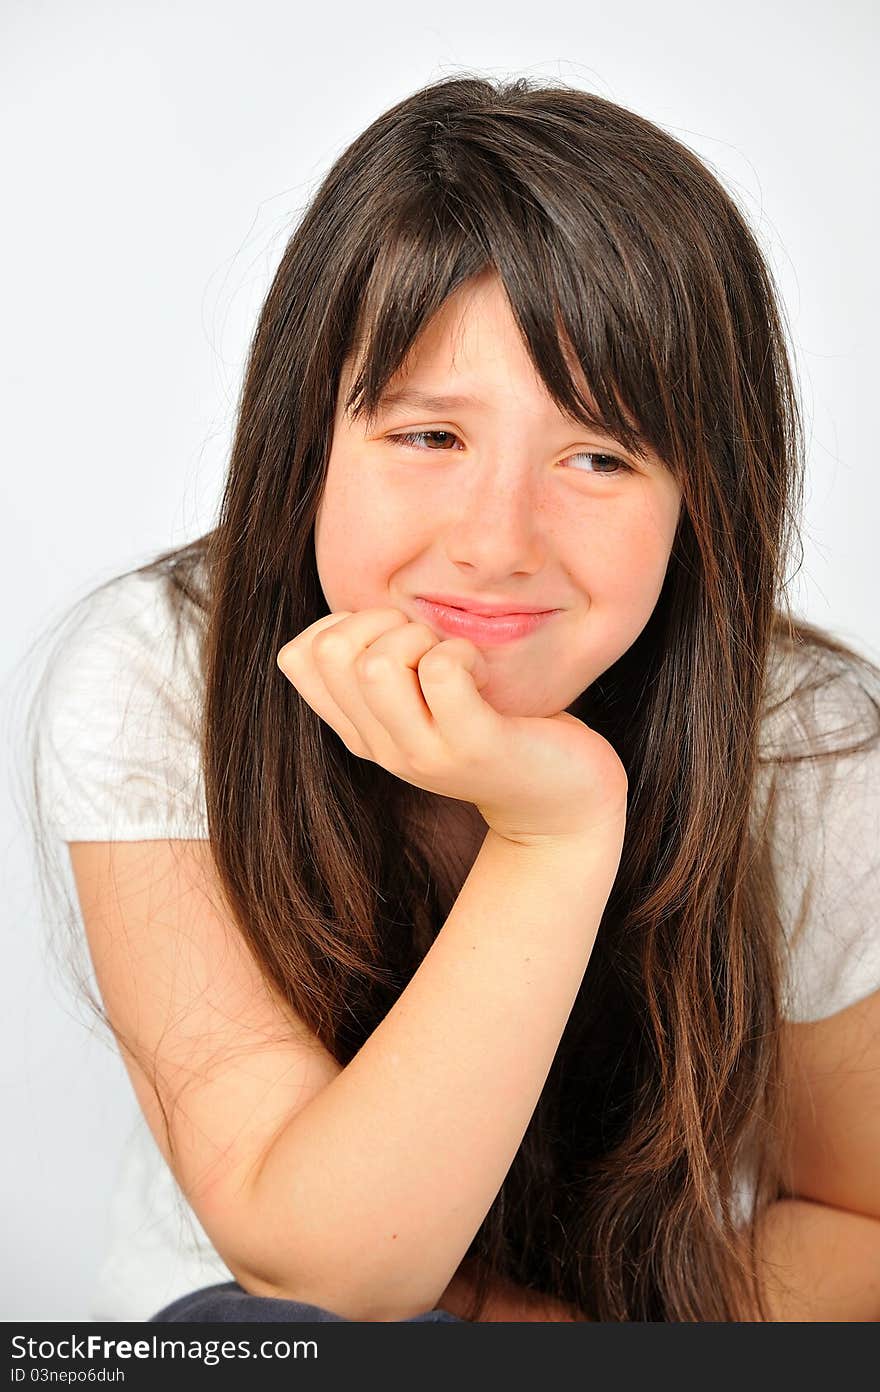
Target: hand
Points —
{"points": [[397, 694]]}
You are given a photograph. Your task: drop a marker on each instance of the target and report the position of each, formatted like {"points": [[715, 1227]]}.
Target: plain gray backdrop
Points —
{"points": [[156, 157]]}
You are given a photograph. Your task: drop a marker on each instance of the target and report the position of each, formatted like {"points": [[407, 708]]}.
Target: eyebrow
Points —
{"points": [[425, 401], [422, 401]]}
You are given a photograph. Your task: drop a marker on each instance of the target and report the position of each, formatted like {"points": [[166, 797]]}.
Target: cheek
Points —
{"points": [[342, 557], [357, 549], [623, 581], [630, 558]]}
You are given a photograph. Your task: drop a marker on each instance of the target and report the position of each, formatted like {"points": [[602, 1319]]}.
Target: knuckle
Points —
{"points": [[330, 644], [425, 760], [413, 761], [288, 656], [410, 770], [400, 619], [427, 774], [439, 662], [355, 745], [373, 666]]}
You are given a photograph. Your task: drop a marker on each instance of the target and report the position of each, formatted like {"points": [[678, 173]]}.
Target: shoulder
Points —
{"points": [[117, 712], [132, 638], [141, 612], [819, 748], [819, 776], [818, 702]]}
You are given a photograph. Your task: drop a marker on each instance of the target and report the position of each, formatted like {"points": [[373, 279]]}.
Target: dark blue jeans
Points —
{"points": [[228, 1303]]}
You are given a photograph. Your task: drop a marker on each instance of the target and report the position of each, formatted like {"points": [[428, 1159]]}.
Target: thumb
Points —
{"points": [[480, 671], [468, 657]]}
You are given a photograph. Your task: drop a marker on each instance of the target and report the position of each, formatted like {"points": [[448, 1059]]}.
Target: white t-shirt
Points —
{"points": [[118, 759]]}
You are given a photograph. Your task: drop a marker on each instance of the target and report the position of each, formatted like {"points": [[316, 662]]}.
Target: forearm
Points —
{"points": [[820, 1264], [369, 1198]]}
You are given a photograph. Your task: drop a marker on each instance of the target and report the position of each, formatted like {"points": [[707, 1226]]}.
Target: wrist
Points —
{"points": [[596, 841]]}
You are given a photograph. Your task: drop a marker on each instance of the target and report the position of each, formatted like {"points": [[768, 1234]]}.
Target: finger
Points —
{"points": [[389, 682], [292, 654], [297, 660], [339, 656], [450, 675]]}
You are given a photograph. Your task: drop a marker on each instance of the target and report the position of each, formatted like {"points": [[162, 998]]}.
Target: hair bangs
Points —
{"points": [[577, 344], [575, 331], [422, 261]]}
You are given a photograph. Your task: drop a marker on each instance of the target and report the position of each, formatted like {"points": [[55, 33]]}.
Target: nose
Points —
{"points": [[494, 526]]}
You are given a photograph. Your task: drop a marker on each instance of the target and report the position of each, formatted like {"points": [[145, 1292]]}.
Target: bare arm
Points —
{"points": [[360, 1188], [367, 1201], [820, 1264]]}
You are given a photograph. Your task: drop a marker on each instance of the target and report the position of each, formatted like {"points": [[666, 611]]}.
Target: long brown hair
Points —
{"points": [[610, 237]]}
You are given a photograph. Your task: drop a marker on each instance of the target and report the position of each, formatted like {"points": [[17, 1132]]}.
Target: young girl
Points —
{"points": [[478, 861]]}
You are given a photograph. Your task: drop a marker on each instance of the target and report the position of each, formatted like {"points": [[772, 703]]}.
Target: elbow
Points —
{"points": [[355, 1306]]}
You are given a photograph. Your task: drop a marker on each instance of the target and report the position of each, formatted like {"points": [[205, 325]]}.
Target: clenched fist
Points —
{"points": [[397, 694]]}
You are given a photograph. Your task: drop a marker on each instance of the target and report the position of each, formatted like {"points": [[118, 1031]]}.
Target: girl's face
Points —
{"points": [[495, 496]]}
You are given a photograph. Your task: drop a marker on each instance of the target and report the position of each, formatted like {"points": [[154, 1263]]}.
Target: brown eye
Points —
{"points": [[413, 437], [444, 440], [622, 466]]}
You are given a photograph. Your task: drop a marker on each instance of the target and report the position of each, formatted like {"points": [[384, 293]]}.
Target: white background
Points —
{"points": [[155, 158]]}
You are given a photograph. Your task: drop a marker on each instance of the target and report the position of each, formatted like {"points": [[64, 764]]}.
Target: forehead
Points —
{"points": [[471, 347], [473, 344]]}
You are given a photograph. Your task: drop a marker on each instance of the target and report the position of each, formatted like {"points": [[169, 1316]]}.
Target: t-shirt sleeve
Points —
{"points": [[825, 846], [117, 743]]}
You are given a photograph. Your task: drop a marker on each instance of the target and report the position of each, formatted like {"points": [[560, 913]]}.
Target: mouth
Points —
{"points": [[497, 609], [488, 630]]}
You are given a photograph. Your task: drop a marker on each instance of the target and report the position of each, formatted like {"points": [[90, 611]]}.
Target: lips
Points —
{"points": [[490, 609], [485, 630]]}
